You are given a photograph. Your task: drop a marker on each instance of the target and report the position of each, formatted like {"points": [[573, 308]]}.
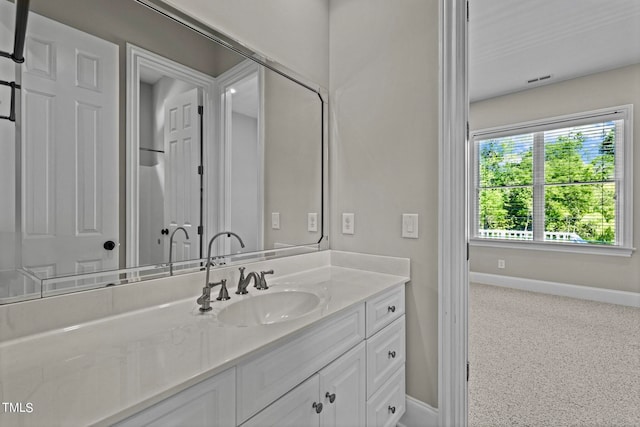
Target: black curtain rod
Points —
{"points": [[22, 13], [12, 107]]}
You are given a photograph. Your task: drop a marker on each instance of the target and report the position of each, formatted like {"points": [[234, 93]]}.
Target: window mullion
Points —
{"points": [[538, 186]]}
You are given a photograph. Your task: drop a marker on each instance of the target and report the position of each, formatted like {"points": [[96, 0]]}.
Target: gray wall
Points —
{"points": [[611, 88], [384, 141], [294, 33]]}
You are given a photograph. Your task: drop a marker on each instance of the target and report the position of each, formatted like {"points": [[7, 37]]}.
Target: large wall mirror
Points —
{"points": [[138, 138]]}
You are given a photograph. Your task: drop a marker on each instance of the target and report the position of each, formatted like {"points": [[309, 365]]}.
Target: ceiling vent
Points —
{"points": [[539, 79]]}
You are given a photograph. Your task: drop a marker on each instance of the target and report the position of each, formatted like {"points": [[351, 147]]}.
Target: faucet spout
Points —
{"points": [[243, 282], [222, 233], [171, 247]]}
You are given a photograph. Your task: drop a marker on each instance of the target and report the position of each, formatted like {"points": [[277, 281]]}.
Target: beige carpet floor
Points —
{"points": [[543, 360]]}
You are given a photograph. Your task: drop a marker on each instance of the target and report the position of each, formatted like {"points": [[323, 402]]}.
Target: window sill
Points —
{"points": [[554, 247]]}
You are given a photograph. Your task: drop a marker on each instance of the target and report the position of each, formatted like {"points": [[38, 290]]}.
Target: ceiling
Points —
{"points": [[513, 41]]}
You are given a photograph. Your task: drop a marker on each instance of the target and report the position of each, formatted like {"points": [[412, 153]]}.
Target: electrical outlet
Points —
{"points": [[312, 221], [348, 225], [501, 263]]}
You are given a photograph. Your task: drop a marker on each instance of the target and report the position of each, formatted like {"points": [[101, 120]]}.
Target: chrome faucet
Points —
{"points": [[259, 282], [209, 262], [171, 247], [243, 282]]}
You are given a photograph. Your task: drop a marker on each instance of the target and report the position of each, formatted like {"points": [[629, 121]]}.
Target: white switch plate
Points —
{"points": [[275, 220], [410, 226], [348, 225], [312, 221]]}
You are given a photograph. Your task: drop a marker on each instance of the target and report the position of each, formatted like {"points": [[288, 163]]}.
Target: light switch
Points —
{"points": [[312, 221], [348, 225], [275, 220], [410, 226]]}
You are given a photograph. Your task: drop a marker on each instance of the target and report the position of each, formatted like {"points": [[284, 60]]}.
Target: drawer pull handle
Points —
{"points": [[331, 397], [317, 406], [392, 354], [392, 409], [391, 308]]}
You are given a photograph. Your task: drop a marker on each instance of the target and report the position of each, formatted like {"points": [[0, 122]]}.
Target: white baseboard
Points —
{"points": [[630, 299], [418, 414]]}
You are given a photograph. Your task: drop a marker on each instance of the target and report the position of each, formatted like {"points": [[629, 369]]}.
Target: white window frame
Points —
{"points": [[624, 182]]}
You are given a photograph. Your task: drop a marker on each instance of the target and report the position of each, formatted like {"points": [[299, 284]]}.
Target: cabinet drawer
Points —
{"points": [[387, 406], [385, 354], [384, 309], [265, 378]]}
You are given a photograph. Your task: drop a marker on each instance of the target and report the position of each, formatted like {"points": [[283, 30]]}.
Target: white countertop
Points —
{"points": [[104, 370]]}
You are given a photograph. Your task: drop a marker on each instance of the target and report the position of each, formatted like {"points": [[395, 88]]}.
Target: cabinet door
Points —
{"points": [[343, 390], [294, 409], [210, 403]]}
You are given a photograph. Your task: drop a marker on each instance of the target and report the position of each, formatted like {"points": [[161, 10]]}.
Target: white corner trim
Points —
{"points": [[630, 299], [453, 279], [418, 414]]}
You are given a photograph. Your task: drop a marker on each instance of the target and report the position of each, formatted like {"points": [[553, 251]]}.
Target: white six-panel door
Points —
{"points": [[70, 150], [182, 180]]}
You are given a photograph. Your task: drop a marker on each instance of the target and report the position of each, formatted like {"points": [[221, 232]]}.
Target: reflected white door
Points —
{"points": [[182, 179], [70, 150]]}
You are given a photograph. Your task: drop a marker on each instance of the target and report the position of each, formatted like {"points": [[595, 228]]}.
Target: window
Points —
{"points": [[557, 183]]}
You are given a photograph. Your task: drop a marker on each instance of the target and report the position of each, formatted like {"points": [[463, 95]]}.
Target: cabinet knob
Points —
{"points": [[392, 409], [331, 397], [317, 406], [392, 355], [391, 308]]}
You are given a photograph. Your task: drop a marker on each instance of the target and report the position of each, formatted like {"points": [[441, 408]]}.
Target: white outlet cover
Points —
{"points": [[312, 221], [410, 226], [275, 220], [348, 225]]}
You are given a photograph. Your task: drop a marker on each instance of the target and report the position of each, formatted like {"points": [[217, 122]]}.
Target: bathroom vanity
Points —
{"points": [[338, 361]]}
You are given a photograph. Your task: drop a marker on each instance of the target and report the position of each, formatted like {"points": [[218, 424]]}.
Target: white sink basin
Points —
{"points": [[269, 308]]}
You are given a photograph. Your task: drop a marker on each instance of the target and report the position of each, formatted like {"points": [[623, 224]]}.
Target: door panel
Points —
{"points": [[182, 181], [70, 149], [343, 390]]}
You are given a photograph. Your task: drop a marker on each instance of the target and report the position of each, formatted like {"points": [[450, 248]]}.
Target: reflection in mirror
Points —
{"points": [[138, 140]]}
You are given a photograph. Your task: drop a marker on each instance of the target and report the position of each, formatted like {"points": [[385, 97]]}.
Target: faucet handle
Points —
{"points": [[224, 294], [263, 280], [205, 299]]}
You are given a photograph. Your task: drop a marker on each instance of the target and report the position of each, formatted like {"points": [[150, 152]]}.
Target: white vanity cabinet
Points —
{"points": [[345, 370], [366, 384], [333, 397], [211, 403]]}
